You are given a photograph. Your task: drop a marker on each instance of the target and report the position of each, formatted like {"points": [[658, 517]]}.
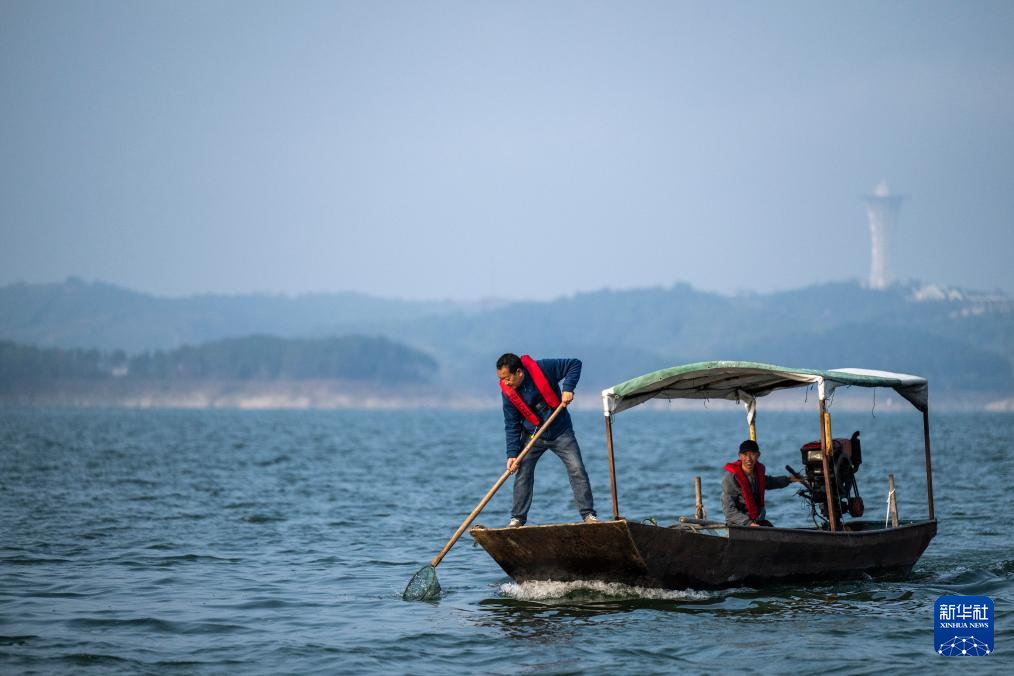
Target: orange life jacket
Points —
{"points": [[753, 507], [541, 384]]}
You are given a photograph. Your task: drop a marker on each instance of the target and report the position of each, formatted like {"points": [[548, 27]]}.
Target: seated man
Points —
{"points": [[744, 485]]}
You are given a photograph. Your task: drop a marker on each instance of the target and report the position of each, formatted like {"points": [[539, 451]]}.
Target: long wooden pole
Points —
{"points": [[612, 466], [929, 463], [478, 508], [825, 437]]}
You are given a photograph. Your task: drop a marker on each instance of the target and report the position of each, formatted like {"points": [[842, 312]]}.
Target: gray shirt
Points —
{"points": [[733, 503]]}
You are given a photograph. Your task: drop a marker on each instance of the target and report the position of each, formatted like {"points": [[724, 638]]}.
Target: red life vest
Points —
{"points": [[753, 507], [541, 384]]}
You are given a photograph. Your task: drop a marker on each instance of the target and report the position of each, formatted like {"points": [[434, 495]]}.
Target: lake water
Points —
{"points": [[267, 542]]}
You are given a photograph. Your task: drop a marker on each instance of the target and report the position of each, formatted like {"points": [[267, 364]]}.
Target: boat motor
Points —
{"points": [[843, 464]]}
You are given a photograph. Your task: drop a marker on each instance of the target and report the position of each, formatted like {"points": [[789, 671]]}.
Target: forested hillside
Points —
{"points": [[962, 341], [256, 358]]}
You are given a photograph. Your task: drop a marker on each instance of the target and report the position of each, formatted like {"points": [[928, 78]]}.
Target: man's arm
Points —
{"points": [[572, 374], [777, 481], [566, 372], [730, 489]]}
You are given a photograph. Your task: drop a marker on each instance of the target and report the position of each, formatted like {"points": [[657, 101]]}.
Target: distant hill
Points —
{"points": [[257, 363], [94, 315], [962, 341]]}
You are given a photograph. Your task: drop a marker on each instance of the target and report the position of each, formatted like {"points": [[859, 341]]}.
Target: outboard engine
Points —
{"points": [[843, 464]]}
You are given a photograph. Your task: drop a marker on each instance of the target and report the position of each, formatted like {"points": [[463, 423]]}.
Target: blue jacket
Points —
{"points": [[562, 375]]}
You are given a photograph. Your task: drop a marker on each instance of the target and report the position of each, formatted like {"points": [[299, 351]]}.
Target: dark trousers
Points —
{"points": [[566, 448]]}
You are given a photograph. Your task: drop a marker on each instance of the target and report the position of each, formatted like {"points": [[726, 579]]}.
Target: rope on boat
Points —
{"points": [[887, 516]]}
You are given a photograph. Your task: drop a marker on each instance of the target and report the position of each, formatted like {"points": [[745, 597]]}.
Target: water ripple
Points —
{"points": [[280, 542]]}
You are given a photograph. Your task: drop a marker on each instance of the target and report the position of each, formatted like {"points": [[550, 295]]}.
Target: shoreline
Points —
{"points": [[333, 396]]}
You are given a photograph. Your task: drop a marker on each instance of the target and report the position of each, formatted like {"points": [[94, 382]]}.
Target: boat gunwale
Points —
{"points": [[905, 525]]}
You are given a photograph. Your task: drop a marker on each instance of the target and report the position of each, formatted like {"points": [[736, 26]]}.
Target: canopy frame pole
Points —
{"points": [[929, 463], [825, 438], [750, 403], [612, 466]]}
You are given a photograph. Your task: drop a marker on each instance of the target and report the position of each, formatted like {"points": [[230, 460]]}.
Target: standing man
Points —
{"points": [[531, 390], [744, 485]]}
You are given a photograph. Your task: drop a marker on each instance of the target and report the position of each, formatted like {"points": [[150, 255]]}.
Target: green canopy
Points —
{"points": [[745, 380]]}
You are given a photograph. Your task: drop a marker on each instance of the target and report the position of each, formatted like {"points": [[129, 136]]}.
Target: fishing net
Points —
{"points": [[423, 586]]}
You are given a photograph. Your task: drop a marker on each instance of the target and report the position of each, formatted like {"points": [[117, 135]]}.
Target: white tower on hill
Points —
{"points": [[882, 210]]}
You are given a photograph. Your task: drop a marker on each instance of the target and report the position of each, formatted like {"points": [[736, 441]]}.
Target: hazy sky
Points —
{"points": [[517, 149]]}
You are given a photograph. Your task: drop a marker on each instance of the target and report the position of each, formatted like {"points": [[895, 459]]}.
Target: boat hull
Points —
{"points": [[682, 557]]}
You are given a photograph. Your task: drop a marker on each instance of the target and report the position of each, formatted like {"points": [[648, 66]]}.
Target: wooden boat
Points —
{"points": [[708, 555]]}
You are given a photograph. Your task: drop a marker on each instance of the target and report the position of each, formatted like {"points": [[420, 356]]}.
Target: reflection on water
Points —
{"points": [[528, 620]]}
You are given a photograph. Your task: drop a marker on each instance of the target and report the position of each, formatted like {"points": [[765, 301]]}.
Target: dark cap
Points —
{"points": [[749, 446]]}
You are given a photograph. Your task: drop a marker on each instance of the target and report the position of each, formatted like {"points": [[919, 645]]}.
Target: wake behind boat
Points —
{"points": [[706, 555]]}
